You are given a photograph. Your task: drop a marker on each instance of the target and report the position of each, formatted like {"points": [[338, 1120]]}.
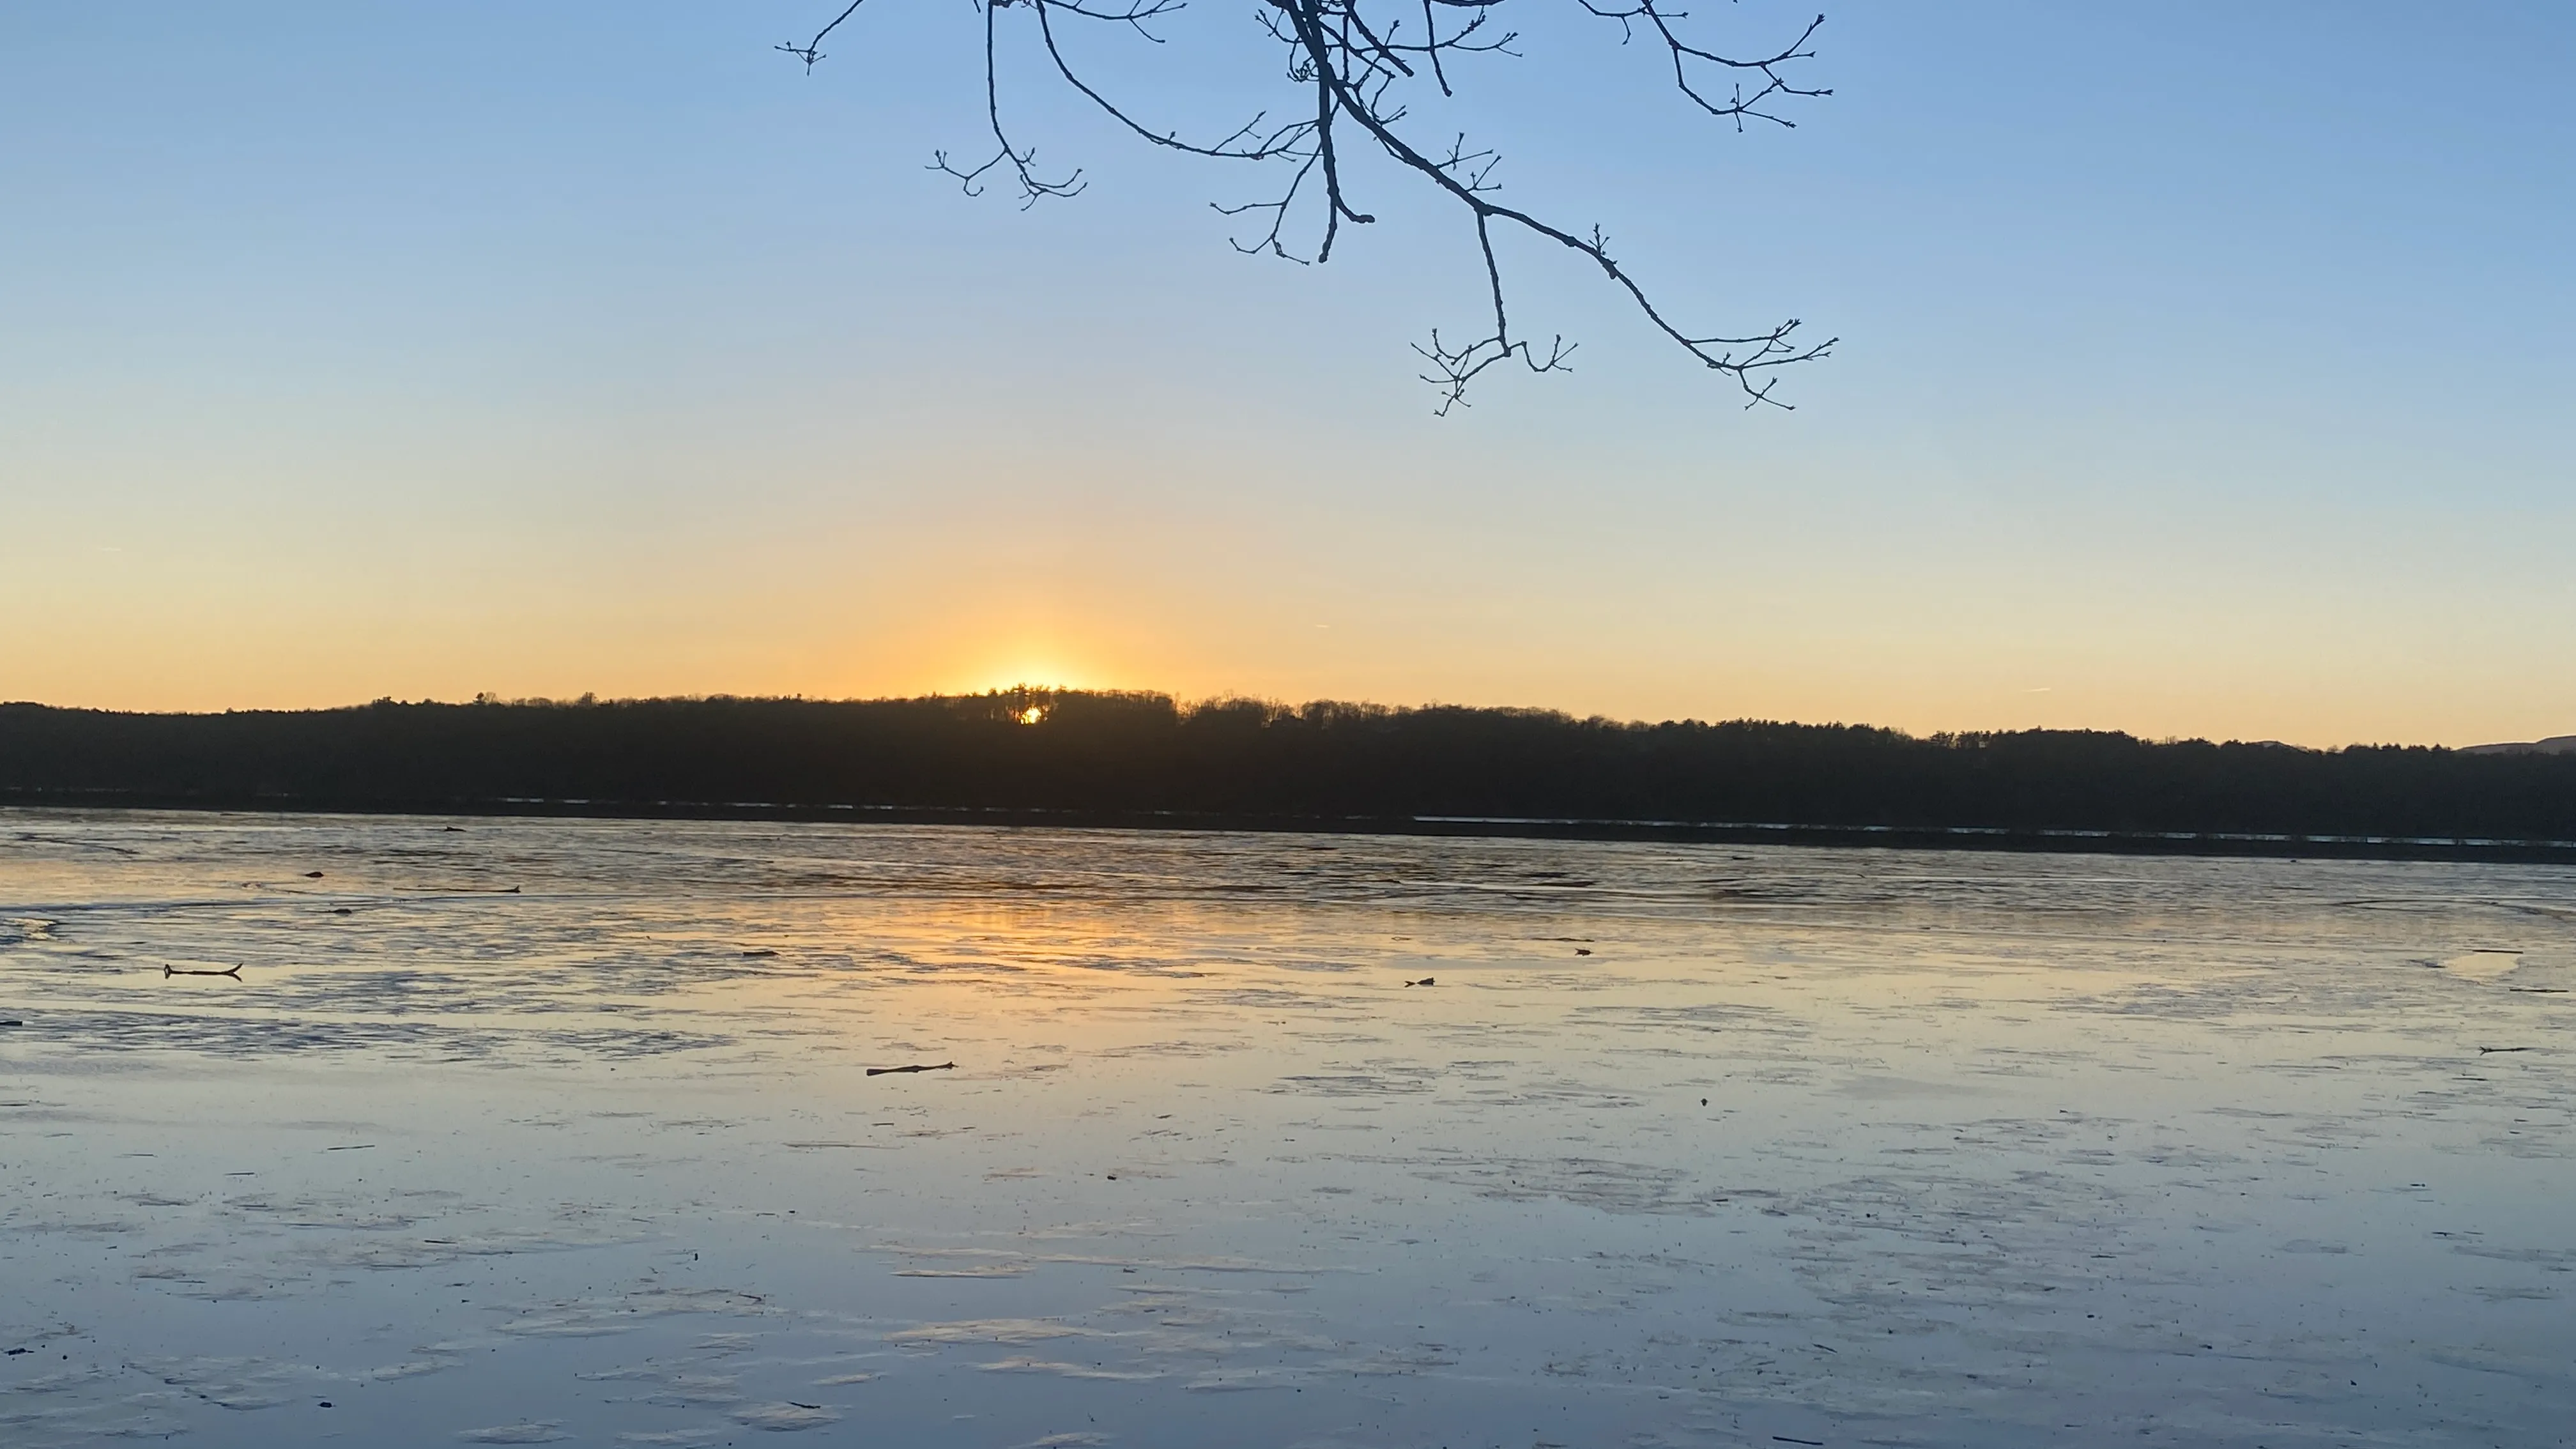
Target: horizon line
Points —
{"points": [[2550, 744]]}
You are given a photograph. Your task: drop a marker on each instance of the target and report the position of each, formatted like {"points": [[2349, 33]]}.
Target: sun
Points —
{"points": [[1033, 714]]}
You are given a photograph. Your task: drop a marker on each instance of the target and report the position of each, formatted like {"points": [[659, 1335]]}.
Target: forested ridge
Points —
{"points": [[1111, 754]]}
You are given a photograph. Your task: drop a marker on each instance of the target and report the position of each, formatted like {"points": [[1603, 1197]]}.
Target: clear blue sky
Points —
{"points": [[2206, 371]]}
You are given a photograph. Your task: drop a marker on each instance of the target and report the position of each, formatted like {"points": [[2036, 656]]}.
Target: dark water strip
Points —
{"points": [[1889, 837]]}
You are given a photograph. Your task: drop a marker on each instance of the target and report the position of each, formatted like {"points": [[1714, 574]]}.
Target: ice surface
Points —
{"points": [[560, 1132]]}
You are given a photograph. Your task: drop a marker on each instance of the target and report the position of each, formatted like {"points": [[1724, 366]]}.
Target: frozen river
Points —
{"points": [[535, 1131]]}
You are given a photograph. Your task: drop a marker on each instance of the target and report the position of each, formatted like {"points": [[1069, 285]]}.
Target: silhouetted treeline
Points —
{"points": [[1114, 754]]}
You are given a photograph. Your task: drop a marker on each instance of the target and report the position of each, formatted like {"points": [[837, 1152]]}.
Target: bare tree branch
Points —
{"points": [[1359, 65]]}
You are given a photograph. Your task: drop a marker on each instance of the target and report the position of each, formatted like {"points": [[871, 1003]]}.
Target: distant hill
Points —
{"points": [[2554, 745], [1119, 758]]}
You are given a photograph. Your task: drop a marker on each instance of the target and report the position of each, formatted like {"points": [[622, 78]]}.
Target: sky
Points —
{"points": [[2204, 370]]}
